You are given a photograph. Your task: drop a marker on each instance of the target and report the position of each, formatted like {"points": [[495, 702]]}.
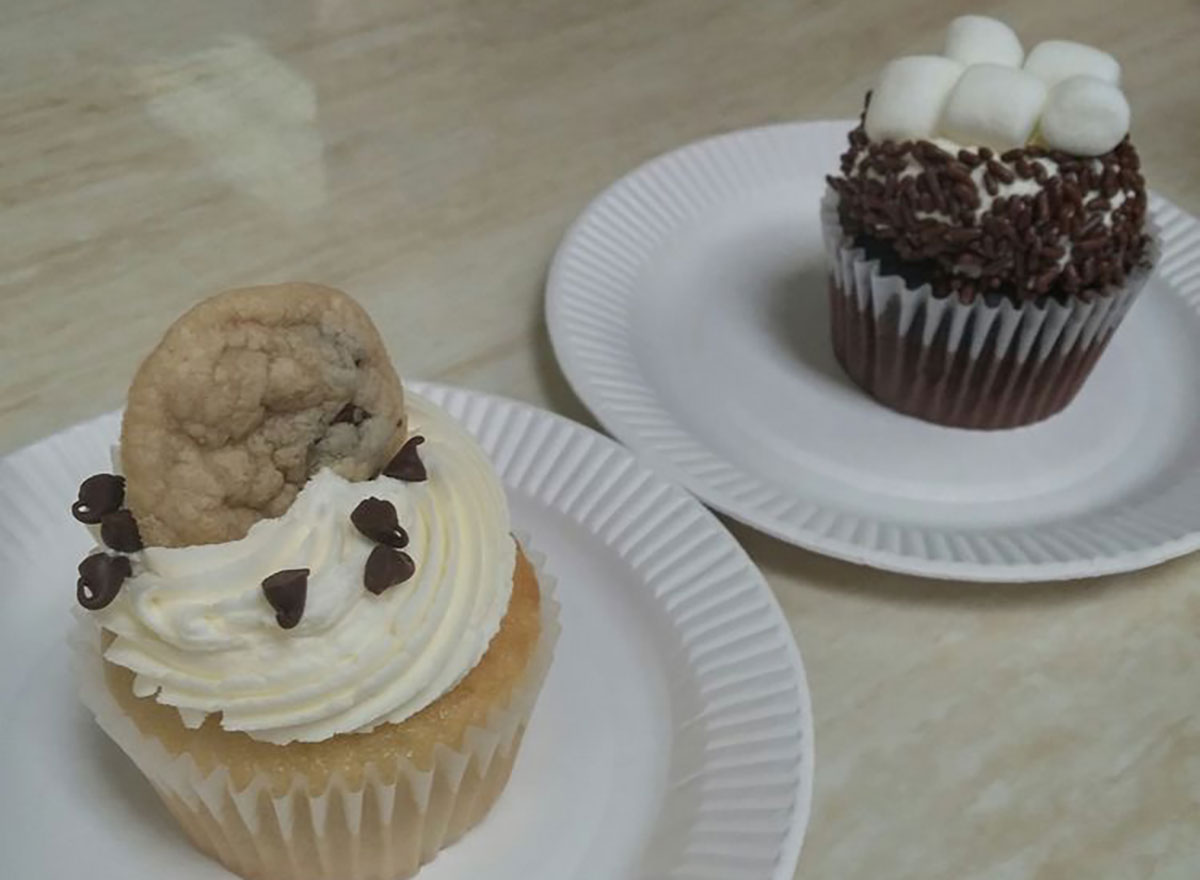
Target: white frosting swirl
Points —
{"points": [[193, 624]]}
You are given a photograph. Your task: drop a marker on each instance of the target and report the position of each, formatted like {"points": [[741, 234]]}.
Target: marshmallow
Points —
{"points": [[993, 106], [1055, 60], [908, 98], [977, 39], [1085, 116]]}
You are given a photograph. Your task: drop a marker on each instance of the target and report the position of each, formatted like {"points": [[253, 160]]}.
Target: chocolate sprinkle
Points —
{"points": [[351, 413], [100, 579], [377, 520], [406, 464], [1063, 239], [119, 531], [98, 495], [286, 591], [387, 567]]}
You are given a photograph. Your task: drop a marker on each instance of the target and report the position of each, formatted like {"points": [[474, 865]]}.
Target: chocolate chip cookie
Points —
{"points": [[247, 395]]}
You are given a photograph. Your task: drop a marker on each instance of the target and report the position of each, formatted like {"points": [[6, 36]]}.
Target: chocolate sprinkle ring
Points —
{"points": [[1065, 238]]}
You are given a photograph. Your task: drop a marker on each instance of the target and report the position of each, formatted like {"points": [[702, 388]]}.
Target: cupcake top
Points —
{"points": [[983, 171], [361, 603]]}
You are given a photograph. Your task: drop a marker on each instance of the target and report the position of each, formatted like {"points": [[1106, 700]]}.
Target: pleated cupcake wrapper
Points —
{"points": [[397, 819], [967, 364]]}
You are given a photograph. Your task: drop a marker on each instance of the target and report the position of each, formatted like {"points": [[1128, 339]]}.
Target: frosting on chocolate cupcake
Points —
{"points": [[1026, 223], [979, 176]]}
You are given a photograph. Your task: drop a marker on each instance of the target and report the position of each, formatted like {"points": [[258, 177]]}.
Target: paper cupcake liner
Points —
{"points": [[968, 365], [395, 820]]}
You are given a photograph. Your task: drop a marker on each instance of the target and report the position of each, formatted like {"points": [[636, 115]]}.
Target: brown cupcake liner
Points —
{"points": [[966, 365], [394, 820]]}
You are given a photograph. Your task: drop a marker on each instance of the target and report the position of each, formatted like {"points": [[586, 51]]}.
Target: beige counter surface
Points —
{"points": [[426, 156]]}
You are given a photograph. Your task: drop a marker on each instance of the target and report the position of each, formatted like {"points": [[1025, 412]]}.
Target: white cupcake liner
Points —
{"points": [[377, 829], [972, 364]]}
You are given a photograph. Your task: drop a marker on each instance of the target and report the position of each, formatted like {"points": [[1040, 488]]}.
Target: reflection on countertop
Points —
{"points": [[250, 117]]}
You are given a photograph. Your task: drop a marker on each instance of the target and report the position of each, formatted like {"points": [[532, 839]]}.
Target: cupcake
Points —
{"points": [[988, 231], [306, 621]]}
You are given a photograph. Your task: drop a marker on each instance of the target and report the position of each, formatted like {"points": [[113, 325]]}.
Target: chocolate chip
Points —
{"points": [[377, 520], [387, 567], [286, 591], [351, 413], [100, 579], [119, 530], [98, 495], [406, 464]]}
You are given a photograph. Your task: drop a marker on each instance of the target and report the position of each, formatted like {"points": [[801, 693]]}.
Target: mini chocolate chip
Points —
{"points": [[377, 520], [406, 464], [286, 591], [351, 413], [119, 530], [98, 495], [387, 567], [100, 579]]}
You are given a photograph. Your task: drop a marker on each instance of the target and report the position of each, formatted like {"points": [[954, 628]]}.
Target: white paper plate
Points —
{"points": [[687, 307], [673, 737]]}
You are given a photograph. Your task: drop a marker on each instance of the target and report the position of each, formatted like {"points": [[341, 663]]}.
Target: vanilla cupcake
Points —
{"points": [[988, 231], [317, 638]]}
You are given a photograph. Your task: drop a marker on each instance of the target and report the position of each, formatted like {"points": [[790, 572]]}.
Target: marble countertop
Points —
{"points": [[426, 157]]}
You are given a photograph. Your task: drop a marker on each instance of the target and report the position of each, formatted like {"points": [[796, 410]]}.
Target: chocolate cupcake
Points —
{"points": [[988, 231]]}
